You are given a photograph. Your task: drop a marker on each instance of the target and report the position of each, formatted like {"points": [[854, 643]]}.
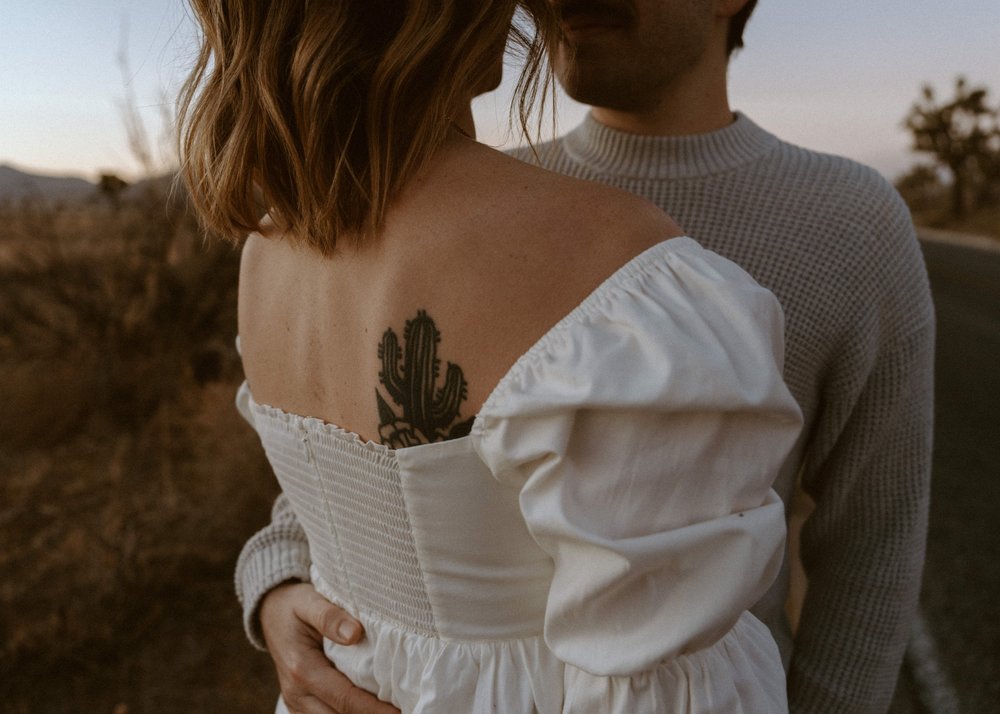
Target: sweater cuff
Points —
{"points": [[261, 569]]}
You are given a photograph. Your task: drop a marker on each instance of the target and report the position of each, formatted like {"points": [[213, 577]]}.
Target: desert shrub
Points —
{"points": [[131, 297], [127, 480]]}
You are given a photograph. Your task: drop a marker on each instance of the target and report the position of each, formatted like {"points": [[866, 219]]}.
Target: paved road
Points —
{"points": [[961, 590]]}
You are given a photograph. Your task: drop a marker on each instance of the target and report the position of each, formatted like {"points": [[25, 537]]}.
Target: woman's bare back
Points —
{"points": [[402, 341]]}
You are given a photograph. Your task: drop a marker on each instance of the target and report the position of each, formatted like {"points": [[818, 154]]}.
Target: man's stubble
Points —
{"points": [[632, 68]]}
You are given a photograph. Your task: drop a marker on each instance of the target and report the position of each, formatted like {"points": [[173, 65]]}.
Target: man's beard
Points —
{"points": [[630, 68], [612, 13], [580, 65], [609, 80]]}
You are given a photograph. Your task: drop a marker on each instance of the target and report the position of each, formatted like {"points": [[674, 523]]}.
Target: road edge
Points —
{"points": [[965, 240], [933, 686]]}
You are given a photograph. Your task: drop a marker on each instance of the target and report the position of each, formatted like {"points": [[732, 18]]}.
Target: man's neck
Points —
{"points": [[463, 120], [697, 103]]}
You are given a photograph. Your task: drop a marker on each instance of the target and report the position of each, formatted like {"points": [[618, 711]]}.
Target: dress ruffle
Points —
{"points": [[522, 676]]}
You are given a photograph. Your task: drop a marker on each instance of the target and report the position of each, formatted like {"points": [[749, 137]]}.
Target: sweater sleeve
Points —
{"points": [[868, 470], [277, 553]]}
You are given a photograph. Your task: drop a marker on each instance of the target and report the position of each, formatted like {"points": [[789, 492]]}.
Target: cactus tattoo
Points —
{"points": [[410, 375]]}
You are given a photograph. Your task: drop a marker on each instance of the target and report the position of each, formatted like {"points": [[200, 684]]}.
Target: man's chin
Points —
{"points": [[592, 79], [599, 94]]}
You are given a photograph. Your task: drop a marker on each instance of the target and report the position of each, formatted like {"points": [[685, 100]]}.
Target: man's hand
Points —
{"points": [[294, 619]]}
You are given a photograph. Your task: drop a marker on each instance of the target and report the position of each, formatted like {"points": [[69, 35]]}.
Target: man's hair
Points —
{"points": [[319, 112], [737, 23]]}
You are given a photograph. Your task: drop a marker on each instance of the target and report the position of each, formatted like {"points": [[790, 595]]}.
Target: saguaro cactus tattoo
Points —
{"points": [[409, 375]]}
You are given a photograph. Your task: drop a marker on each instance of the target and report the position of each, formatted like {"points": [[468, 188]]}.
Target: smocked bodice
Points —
{"points": [[424, 537]]}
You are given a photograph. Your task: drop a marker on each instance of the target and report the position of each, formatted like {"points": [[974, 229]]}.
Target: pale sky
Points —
{"points": [[833, 76]]}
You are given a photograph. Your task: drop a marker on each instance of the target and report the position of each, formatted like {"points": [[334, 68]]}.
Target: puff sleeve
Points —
{"points": [[643, 433]]}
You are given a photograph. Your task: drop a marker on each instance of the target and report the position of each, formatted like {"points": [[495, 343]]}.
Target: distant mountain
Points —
{"points": [[16, 185]]}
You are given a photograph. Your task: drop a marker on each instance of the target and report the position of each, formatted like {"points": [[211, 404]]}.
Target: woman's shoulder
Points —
{"points": [[583, 221]]}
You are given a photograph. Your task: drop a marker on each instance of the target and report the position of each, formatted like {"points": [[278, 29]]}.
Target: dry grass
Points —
{"points": [[127, 480]]}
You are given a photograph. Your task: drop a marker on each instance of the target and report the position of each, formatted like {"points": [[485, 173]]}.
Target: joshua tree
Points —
{"points": [[111, 187], [963, 136]]}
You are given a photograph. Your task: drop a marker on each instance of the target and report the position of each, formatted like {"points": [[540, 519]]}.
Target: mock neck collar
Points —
{"points": [[608, 151]]}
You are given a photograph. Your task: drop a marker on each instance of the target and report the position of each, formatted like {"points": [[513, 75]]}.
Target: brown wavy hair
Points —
{"points": [[318, 112]]}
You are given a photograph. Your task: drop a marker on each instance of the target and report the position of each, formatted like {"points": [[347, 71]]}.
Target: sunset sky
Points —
{"points": [[836, 76]]}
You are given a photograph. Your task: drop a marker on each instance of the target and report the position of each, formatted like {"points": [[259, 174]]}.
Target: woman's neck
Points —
{"points": [[464, 122]]}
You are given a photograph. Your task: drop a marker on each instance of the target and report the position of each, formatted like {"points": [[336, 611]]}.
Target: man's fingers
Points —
{"points": [[311, 684], [306, 705], [353, 700], [293, 616], [331, 690], [330, 621]]}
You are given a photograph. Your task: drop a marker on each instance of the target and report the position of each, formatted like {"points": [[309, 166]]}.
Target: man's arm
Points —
{"points": [[285, 616], [868, 470], [276, 554]]}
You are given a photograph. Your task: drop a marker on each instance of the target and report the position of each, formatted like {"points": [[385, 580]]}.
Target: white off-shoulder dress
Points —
{"points": [[594, 544]]}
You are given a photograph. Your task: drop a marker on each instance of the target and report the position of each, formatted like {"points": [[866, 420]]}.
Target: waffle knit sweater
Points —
{"points": [[835, 244]]}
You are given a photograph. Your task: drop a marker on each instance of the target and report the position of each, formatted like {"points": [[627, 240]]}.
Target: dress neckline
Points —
{"points": [[635, 266]]}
